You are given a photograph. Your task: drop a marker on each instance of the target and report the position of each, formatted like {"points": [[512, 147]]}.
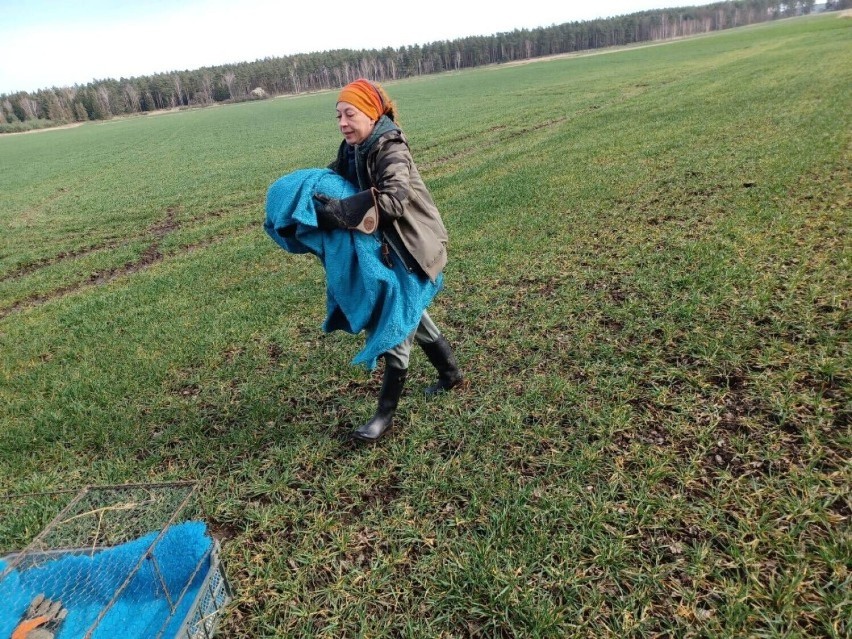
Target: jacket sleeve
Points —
{"points": [[392, 179]]}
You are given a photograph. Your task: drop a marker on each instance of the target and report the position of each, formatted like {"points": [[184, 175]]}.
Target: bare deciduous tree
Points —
{"points": [[294, 77], [102, 96], [67, 95], [80, 113], [206, 88], [56, 111], [131, 98], [29, 107], [229, 78], [177, 100]]}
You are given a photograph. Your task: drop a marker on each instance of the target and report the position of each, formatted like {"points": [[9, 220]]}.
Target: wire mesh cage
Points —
{"points": [[124, 561]]}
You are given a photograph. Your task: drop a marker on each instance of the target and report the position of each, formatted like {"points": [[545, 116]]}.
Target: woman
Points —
{"points": [[375, 157]]}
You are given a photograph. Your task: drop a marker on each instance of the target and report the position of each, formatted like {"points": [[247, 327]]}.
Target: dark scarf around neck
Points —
{"points": [[382, 126]]}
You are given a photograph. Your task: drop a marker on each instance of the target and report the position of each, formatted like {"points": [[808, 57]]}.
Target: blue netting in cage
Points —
{"points": [[87, 584]]}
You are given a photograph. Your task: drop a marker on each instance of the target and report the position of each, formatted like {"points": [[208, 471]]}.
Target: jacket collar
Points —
{"points": [[383, 126]]}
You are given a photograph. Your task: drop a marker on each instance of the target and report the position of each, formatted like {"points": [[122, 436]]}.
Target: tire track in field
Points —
{"points": [[496, 140], [31, 267], [150, 256], [501, 134]]}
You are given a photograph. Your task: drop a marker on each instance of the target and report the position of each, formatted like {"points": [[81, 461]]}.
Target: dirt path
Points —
{"points": [[52, 128]]}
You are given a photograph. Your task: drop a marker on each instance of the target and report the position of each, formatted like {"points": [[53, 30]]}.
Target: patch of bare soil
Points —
{"points": [[53, 128]]}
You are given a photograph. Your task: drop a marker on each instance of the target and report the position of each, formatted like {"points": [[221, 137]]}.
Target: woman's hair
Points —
{"points": [[391, 109]]}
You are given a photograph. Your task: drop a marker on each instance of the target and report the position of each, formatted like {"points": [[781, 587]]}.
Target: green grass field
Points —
{"points": [[648, 290]]}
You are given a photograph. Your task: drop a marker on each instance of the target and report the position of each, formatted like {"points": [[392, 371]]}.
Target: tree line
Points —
{"points": [[104, 99]]}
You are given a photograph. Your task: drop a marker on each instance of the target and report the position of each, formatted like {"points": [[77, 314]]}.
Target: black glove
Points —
{"points": [[329, 214], [342, 214]]}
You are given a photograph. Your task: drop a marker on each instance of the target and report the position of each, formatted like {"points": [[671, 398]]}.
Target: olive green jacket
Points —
{"points": [[384, 165]]}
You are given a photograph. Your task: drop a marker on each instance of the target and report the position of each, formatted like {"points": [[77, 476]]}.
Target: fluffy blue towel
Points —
{"points": [[362, 294], [86, 584]]}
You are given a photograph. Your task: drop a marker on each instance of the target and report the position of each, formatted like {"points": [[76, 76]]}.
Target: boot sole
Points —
{"points": [[367, 440], [436, 393]]}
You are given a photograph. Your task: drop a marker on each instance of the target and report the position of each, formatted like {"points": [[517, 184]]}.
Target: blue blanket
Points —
{"points": [[362, 293], [86, 584]]}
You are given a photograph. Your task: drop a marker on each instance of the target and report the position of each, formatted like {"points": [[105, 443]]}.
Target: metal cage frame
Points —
{"points": [[205, 612]]}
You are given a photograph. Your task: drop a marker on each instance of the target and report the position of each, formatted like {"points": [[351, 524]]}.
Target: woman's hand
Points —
{"points": [[329, 212]]}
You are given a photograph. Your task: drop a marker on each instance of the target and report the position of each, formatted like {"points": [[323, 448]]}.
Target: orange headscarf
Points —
{"points": [[365, 97]]}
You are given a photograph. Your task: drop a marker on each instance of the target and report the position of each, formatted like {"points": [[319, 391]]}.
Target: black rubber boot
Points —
{"points": [[392, 385], [441, 355]]}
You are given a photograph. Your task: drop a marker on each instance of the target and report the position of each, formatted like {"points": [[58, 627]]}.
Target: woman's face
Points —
{"points": [[355, 125]]}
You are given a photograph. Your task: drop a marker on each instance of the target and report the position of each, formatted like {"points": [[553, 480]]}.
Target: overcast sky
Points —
{"points": [[49, 43]]}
